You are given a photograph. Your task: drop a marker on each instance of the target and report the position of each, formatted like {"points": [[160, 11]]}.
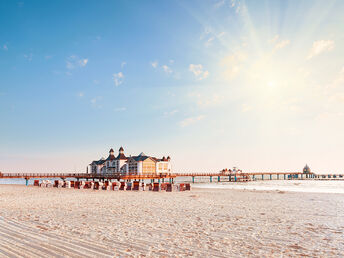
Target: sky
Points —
{"points": [[213, 84]]}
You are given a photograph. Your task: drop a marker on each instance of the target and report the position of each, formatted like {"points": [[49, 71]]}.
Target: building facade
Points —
{"points": [[141, 164]]}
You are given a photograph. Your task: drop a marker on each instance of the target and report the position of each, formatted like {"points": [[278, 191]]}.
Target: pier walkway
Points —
{"points": [[190, 177]]}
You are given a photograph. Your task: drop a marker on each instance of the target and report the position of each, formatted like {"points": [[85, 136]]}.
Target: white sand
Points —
{"points": [[36, 222]]}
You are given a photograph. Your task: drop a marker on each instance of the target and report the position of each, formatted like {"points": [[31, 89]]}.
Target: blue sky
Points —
{"points": [[213, 84]]}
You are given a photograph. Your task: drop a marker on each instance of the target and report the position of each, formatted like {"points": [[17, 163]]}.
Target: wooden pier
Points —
{"points": [[187, 177]]}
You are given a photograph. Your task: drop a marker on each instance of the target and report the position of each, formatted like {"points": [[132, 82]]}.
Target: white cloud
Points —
{"points": [[167, 69], [207, 100], [219, 3], [28, 57], [274, 39], [282, 44], [209, 41], [83, 62], [120, 109], [95, 101], [338, 82], [154, 64], [207, 30], [233, 64], [190, 120], [73, 61], [80, 94], [279, 44], [198, 71], [118, 78], [319, 47], [245, 107], [221, 34], [235, 4], [171, 113], [123, 64]]}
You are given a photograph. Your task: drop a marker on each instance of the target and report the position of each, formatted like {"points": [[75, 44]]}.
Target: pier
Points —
{"points": [[192, 177]]}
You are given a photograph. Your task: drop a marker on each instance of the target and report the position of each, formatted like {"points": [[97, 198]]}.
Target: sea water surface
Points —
{"points": [[310, 186]]}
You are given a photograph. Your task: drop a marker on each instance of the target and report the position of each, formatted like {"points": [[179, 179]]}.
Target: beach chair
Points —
{"points": [[175, 187], [149, 187], [168, 187], [163, 186], [36, 183], [187, 187], [129, 186], [56, 183], [136, 185], [48, 184], [76, 185], [68, 184], [122, 187], [96, 186], [156, 187], [181, 187]]}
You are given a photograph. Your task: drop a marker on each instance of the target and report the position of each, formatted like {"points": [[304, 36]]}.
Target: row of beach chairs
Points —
{"points": [[115, 186]]}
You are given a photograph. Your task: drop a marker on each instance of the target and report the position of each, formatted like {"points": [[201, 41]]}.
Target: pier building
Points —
{"points": [[306, 170]]}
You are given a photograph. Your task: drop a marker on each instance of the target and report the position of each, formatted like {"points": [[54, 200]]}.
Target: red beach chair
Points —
{"points": [[122, 187], [187, 187], [156, 187], [182, 187], [168, 187], [36, 183], [77, 185], [136, 185]]}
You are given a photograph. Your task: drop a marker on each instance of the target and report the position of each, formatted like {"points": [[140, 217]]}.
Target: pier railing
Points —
{"points": [[248, 176]]}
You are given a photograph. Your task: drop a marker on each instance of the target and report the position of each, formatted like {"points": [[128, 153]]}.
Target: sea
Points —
{"points": [[310, 186]]}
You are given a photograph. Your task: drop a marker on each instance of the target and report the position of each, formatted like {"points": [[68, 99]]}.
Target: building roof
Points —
{"points": [[111, 157], [111, 150], [121, 156], [142, 157], [121, 149]]}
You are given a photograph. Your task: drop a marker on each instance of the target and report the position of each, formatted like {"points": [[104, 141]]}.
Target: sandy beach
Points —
{"points": [[36, 222]]}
